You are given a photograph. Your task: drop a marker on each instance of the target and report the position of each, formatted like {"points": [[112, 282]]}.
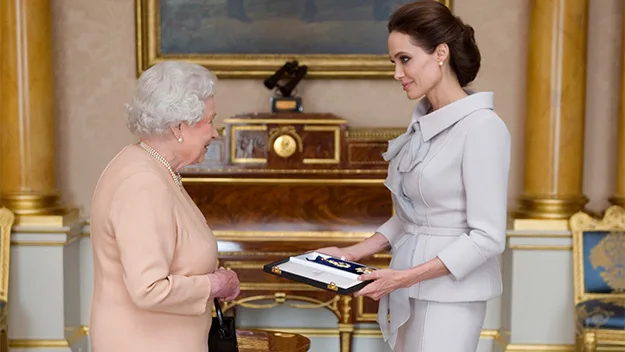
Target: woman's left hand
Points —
{"points": [[388, 280], [384, 282]]}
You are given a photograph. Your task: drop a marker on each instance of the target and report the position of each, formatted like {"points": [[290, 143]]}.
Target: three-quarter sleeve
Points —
{"points": [[485, 169], [392, 229], [144, 225]]}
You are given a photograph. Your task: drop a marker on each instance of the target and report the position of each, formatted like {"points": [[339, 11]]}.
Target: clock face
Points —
{"points": [[284, 146]]}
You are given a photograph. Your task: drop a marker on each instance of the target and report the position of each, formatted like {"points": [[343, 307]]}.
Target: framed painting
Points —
{"points": [[253, 38]]}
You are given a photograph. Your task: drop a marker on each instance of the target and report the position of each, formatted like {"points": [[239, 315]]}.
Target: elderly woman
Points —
{"points": [[154, 257]]}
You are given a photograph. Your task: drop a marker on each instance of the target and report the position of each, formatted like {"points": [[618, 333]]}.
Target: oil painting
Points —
{"points": [[245, 38]]}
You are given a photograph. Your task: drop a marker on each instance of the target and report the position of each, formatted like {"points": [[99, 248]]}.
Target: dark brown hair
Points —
{"points": [[430, 23]]}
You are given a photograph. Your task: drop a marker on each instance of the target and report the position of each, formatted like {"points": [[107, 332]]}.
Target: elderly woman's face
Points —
{"points": [[196, 138], [417, 70]]}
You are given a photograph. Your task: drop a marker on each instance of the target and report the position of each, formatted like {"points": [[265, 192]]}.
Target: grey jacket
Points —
{"points": [[448, 175]]}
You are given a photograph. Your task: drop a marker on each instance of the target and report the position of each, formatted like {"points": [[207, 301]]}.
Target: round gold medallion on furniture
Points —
{"points": [[271, 341], [285, 146]]}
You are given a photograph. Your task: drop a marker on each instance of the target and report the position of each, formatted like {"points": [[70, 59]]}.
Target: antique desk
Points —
{"points": [[276, 185]]}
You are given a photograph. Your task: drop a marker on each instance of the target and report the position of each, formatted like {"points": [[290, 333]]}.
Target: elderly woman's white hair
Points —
{"points": [[168, 94]]}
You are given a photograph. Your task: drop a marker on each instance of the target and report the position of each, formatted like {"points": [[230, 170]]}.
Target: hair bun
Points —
{"points": [[468, 30], [431, 23]]}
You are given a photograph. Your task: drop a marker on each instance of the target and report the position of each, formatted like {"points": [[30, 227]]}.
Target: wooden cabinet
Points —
{"points": [[276, 185]]}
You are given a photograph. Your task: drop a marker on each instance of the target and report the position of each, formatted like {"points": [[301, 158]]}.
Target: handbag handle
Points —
{"points": [[220, 314], [220, 319]]}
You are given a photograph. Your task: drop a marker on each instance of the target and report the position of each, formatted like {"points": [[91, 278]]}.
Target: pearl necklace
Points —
{"points": [[153, 153]]}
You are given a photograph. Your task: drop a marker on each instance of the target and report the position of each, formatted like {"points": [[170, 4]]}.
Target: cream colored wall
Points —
{"points": [[602, 101], [95, 73]]}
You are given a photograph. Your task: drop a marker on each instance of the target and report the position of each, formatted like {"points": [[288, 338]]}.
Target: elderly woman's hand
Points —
{"points": [[224, 284]]}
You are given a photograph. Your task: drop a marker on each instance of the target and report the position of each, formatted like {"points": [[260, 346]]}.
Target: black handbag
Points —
{"points": [[222, 336]]}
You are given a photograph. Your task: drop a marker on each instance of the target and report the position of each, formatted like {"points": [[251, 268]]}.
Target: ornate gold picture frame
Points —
{"points": [[150, 41]]}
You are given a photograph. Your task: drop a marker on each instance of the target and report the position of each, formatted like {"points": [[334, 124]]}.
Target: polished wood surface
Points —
{"points": [[280, 206], [264, 207], [27, 136], [271, 341], [554, 126]]}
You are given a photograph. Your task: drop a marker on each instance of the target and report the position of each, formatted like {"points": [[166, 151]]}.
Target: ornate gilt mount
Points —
{"points": [[332, 286], [276, 270], [286, 141], [284, 146]]}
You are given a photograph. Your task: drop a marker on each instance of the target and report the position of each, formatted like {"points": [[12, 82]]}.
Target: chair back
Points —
{"points": [[6, 223], [599, 255]]}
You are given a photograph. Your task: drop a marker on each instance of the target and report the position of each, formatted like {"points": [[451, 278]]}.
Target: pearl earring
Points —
{"points": [[180, 139], [440, 63]]}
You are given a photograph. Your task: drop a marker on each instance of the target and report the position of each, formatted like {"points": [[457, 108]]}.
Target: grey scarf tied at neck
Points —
{"points": [[404, 153]]}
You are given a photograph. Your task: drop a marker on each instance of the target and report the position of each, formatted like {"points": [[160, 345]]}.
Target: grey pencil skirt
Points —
{"points": [[441, 327]]}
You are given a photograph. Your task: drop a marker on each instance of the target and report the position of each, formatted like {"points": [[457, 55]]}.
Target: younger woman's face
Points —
{"points": [[417, 70]]}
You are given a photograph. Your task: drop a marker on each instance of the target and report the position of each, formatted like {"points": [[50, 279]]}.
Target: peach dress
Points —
{"points": [[152, 250]]}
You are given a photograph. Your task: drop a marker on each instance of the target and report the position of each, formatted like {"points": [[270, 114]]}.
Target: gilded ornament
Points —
{"points": [[284, 146]]}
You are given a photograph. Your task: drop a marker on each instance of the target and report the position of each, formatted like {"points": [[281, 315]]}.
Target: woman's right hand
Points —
{"points": [[360, 250], [337, 253], [224, 284]]}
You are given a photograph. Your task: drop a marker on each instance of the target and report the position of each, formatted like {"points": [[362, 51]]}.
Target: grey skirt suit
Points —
{"points": [[448, 175]]}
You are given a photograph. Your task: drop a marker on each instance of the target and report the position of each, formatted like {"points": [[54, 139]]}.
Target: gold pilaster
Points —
{"points": [[554, 126], [619, 195], [27, 136]]}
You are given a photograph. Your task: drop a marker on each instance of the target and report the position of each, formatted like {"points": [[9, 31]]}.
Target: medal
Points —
{"points": [[340, 264]]}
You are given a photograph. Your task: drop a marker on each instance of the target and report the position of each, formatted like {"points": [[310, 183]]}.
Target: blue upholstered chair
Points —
{"points": [[599, 277]]}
